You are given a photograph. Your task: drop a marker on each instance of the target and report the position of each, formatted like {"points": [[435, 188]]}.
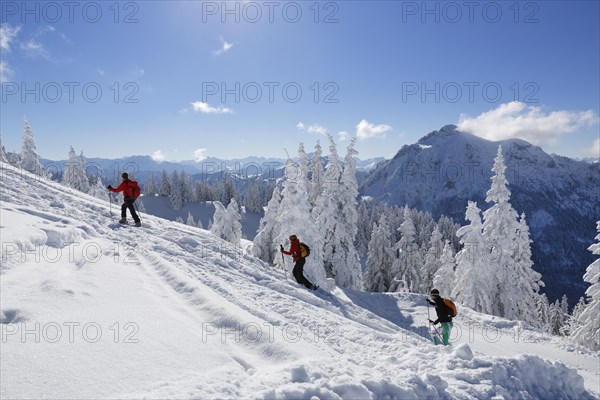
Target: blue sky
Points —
{"points": [[387, 71]]}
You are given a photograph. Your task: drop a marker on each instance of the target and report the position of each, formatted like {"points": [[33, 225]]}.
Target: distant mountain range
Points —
{"points": [[144, 166], [560, 196]]}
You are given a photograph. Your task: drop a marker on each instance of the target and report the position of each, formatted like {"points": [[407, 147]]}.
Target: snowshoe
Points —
{"points": [[123, 221], [138, 224]]}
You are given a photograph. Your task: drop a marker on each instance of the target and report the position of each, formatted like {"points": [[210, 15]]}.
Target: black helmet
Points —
{"points": [[125, 175], [434, 292]]}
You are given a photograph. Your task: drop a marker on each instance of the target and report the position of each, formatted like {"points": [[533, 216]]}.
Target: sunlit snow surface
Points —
{"points": [[92, 309]]}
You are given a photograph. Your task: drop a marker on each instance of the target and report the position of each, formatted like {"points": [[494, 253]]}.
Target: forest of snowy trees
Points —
{"points": [[485, 265]]}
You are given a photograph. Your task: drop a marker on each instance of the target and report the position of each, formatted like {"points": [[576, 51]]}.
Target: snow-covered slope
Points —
{"points": [[560, 196], [92, 309]]}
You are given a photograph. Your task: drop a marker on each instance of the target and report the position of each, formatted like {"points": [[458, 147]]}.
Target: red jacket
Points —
{"points": [[294, 250], [125, 188]]}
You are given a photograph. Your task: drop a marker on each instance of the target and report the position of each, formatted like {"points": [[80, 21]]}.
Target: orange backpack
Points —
{"points": [[451, 307]]}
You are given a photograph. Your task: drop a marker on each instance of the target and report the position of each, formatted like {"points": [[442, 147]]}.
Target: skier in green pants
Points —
{"points": [[444, 314]]}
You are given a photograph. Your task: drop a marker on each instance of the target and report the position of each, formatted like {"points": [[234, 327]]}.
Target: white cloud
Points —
{"points": [[206, 108], [6, 71], [343, 135], [101, 71], [34, 49], [594, 150], [200, 155], [157, 156], [7, 34], [366, 130], [518, 120], [225, 46], [314, 128]]}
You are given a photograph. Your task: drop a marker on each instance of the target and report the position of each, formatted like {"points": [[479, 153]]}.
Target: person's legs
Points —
{"points": [[297, 271], [129, 204], [301, 276], [446, 327], [124, 212]]}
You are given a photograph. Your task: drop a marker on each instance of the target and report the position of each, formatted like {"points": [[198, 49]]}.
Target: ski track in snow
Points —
{"points": [[192, 293]]}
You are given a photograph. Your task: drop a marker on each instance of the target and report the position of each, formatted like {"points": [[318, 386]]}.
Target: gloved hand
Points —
{"points": [[432, 322], [109, 187], [281, 248]]}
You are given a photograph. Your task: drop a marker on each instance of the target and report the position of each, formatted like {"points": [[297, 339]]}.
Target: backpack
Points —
{"points": [[451, 307], [134, 189], [304, 250]]}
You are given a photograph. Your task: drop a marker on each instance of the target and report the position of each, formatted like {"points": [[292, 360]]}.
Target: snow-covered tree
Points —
{"points": [[502, 238], [572, 322], [187, 191], [543, 312], [527, 281], [557, 318], [235, 222], [190, 219], [432, 260], [165, 185], [348, 273], [74, 173], [407, 264], [364, 232], [380, 257], [264, 248], [203, 192], [179, 219], [150, 187], [326, 213], [473, 287], [30, 160], [252, 199], [227, 222], [445, 276], [3, 156], [176, 196], [317, 175], [587, 331], [295, 217]]}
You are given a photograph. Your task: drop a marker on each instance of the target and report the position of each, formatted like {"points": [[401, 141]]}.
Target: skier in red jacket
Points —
{"points": [[296, 254], [131, 192]]}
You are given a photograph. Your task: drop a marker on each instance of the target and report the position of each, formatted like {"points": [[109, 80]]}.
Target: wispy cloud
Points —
{"points": [[6, 71], [518, 120], [205, 108], [343, 135], [200, 155], [314, 128], [594, 150], [225, 47], [366, 130], [35, 49], [158, 156], [7, 35]]}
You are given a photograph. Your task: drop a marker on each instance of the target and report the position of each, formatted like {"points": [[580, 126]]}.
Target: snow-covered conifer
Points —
{"points": [[30, 160], [445, 275], [407, 264], [473, 287], [380, 257], [588, 330], [165, 184]]}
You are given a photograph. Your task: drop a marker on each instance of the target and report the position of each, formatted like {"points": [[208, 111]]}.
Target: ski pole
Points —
{"points": [[138, 211], [110, 203]]}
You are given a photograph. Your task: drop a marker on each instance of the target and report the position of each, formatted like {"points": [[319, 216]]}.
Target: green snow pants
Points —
{"points": [[446, 328]]}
